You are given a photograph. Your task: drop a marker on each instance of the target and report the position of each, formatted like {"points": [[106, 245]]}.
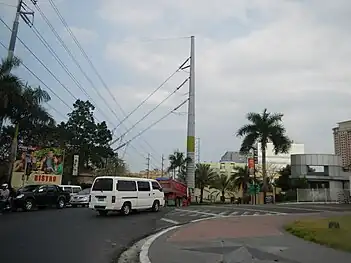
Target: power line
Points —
{"points": [[87, 57], [60, 62], [152, 93], [153, 109], [41, 81], [153, 124]]}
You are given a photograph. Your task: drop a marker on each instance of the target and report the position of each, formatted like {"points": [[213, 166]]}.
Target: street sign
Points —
{"points": [[254, 189], [75, 165]]}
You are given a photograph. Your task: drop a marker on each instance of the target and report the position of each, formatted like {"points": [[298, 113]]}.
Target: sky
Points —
{"points": [[289, 56]]}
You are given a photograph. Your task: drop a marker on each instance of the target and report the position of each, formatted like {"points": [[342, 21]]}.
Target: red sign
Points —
{"points": [[45, 178], [251, 163]]}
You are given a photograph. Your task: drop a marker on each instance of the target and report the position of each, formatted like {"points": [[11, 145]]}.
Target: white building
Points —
{"points": [[282, 159]]}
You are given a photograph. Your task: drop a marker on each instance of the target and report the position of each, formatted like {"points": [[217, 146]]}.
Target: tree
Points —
{"points": [[241, 179], [114, 166], [178, 163], [285, 182], [204, 177], [223, 183], [263, 128], [86, 138], [10, 87]]}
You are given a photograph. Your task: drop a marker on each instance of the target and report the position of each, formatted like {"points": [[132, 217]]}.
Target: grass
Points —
{"points": [[318, 231]]}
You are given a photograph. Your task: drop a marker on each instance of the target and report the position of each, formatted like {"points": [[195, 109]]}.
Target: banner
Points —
{"points": [[251, 165], [75, 165], [37, 166]]}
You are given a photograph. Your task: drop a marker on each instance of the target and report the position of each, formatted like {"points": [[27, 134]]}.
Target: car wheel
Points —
{"points": [[28, 205], [126, 209], [102, 213], [61, 203], [156, 206]]}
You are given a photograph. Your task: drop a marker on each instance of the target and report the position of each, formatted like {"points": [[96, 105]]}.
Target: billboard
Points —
{"points": [[37, 166]]}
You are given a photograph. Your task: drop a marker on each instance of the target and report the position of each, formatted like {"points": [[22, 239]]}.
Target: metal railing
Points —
{"points": [[325, 195]]}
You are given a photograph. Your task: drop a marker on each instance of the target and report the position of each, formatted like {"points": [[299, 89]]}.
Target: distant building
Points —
{"points": [[153, 174], [342, 143], [234, 157], [281, 159]]}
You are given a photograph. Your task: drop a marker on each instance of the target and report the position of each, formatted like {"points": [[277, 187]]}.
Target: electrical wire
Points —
{"points": [[152, 93], [151, 125], [53, 5], [153, 109]]}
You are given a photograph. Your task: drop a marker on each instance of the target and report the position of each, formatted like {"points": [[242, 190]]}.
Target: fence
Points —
{"points": [[324, 195]]}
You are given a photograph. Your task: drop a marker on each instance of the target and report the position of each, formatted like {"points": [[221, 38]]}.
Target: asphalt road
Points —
{"points": [[187, 214], [71, 235]]}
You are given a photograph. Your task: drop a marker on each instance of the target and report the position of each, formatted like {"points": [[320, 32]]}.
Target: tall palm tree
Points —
{"points": [[223, 183], [263, 128], [204, 177], [28, 107], [177, 163], [10, 87]]}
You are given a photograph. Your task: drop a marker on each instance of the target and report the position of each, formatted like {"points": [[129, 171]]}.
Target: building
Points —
{"points": [[279, 160], [342, 143], [322, 171], [235, 157]]}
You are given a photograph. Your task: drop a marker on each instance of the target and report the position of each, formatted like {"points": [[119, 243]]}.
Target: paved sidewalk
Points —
{"points": [[244, 240]]}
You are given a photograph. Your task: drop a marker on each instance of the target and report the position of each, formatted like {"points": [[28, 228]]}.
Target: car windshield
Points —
{"points": [[84, 192], [28, 188]]}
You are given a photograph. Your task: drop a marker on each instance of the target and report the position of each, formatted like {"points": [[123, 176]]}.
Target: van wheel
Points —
{"points": [[102, 213], [156, 206], [126, 209]]}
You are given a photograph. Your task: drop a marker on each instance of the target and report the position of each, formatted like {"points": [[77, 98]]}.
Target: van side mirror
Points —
{"points": [[161, 190]]}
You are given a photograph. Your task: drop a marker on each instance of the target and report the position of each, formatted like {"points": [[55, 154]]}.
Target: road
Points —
{"points": [[185, 215], [71, 235]]}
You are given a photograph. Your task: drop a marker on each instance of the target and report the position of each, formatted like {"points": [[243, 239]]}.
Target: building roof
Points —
{"points": [[235, 157]]}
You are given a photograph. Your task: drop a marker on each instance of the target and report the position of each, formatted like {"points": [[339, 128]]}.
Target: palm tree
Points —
{"points": [[204, 176], [242, 180], [263, 128], [27, 107], [223, 183], [177, 163], [10, 87]]}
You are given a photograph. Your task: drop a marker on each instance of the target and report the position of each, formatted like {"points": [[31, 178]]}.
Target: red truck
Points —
{"points": [[176, 193]]}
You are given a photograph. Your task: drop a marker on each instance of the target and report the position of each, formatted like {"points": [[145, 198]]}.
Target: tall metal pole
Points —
{"points": [[190, 168], [14, 31], [162, 163], [148, 165]]}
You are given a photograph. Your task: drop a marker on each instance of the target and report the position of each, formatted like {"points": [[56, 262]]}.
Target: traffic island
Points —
{"points": [[334, 232]]}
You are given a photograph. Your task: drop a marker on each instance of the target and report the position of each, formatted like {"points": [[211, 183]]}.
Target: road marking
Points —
{"points": [[260, 210], [234, 213], [245, 213], [302, 209], [256, 214], [223, 213], [199, 212], [170, 221]]}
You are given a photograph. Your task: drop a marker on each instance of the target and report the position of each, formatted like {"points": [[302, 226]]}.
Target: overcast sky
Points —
{"points": [[289, 56]]}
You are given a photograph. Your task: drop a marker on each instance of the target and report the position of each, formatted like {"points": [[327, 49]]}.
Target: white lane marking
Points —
{"points": [[223, 213], [234, 213], [259, 210], [144, 252], [170, 221], [302, 209], [199, 212], [256, 214], [245, 213]]}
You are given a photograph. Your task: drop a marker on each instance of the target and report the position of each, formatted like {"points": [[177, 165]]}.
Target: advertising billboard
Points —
{"points": [[37, 166]]}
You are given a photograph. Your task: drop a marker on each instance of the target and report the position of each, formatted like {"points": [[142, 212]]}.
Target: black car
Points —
{"points": [[39, 196]]}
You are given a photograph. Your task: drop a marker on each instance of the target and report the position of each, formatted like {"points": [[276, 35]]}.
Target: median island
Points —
{"points": [[334, 232]]}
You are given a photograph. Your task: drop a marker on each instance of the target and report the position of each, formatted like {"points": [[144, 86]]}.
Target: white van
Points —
{"points": [[124, 194]]}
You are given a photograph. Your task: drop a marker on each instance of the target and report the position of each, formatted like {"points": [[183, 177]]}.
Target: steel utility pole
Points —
{"points": [[27, 16], [190, 167], [197, 150], [148, 166], [162, 164]]}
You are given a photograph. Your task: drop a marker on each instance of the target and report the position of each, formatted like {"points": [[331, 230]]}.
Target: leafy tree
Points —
{"points": [[263, 128], [10, 87], [86, 138], [241, 179], [204, 177], [285, 182], [114, 166], [178, 163], [223, 183]]}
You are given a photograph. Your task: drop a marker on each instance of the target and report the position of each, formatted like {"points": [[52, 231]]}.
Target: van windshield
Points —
{"points": [[103, 184]]}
